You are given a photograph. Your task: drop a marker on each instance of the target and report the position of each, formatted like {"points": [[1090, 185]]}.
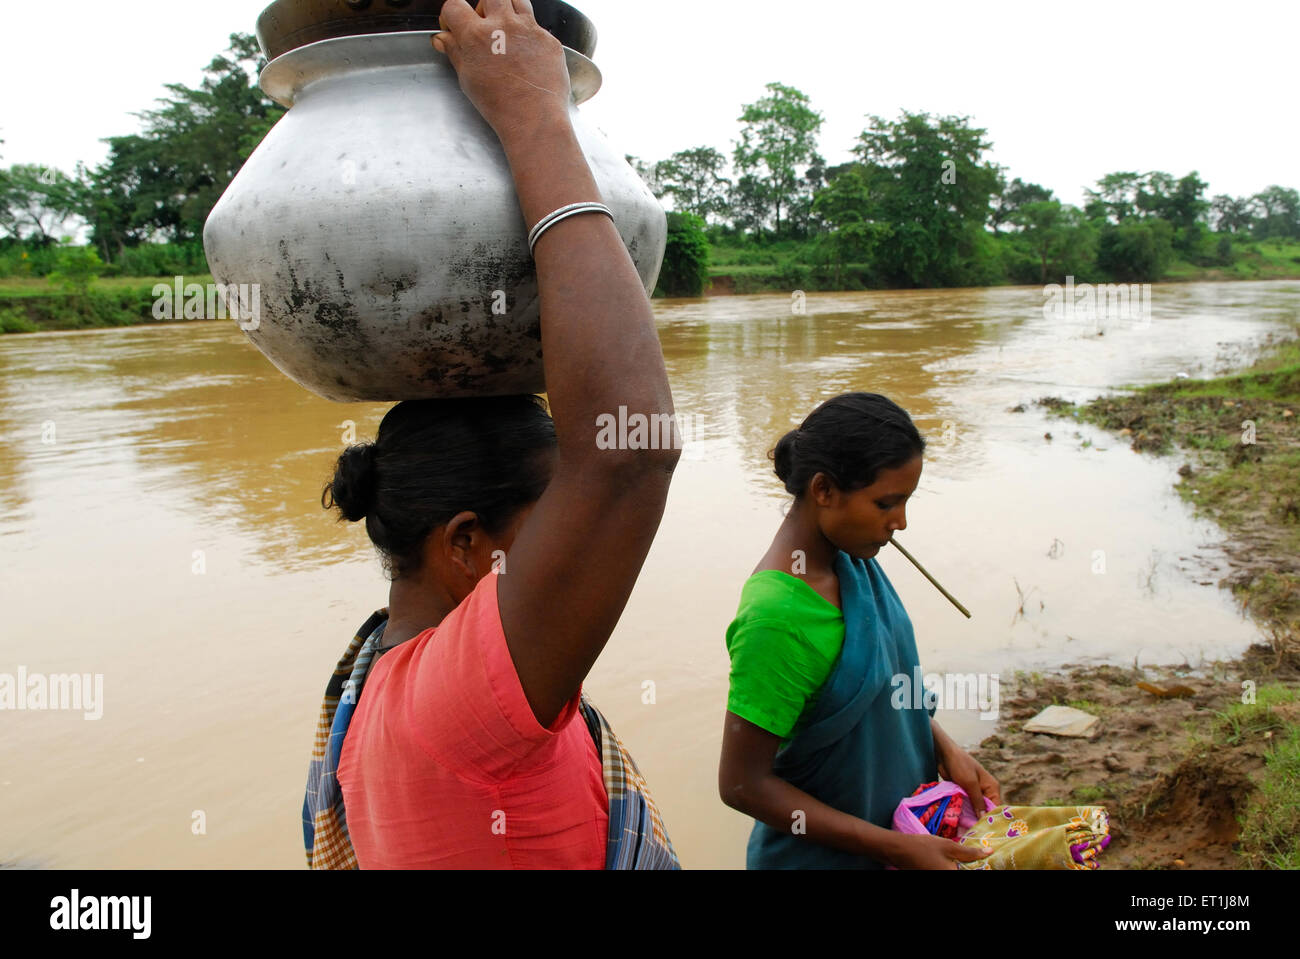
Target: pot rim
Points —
{"points": [[286, 25], [285, 77]]}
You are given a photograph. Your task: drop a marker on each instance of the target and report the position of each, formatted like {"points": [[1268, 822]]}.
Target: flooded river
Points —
{"points": [[160, 525]]}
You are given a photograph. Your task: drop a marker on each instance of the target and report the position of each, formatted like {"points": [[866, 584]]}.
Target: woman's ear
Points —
{"points": [[461, 539], [822, 491]]}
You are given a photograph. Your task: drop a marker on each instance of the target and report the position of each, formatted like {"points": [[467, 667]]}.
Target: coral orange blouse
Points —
{"points": [[445, 765]]}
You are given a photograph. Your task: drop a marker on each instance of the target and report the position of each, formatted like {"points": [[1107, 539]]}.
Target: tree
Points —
{"points": [[931, 185], [1136, 250], [1116, 197], [750, 202], [167, 179], [693, 178], [685, 269], [131, 197], [35, 201], [779, 137], [1008, 200], [1012, 197], [844, 205], [648, 174], [1059, 235], [803, 218], [1231, 215], [1181, 203], [1278, 213]]}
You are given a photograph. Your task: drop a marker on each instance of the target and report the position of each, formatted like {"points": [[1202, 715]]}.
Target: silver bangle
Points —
{"points": [[563, 213]]}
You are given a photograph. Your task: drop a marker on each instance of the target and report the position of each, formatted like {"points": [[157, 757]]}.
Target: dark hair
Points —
{"points": [[850, 438], [433, 459]]}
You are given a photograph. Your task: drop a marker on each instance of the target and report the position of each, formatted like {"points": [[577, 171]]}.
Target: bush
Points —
{"points": [[13, 320], [984, 263], [27, 259], [77, 268], [793, 274], [162, 259], [685, 269], [32, 259], [1136, 251]]}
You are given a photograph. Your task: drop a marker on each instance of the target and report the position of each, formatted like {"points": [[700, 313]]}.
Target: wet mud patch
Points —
{"points": [[1175, 776]]}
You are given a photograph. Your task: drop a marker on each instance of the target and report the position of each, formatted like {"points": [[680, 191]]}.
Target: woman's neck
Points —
{"points": [[413, 607], [799, 546]]}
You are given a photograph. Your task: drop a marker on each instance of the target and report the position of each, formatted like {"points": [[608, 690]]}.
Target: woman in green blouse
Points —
{"points": [[816, 746]]}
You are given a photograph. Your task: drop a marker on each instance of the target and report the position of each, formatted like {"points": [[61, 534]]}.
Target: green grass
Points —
{"points": [[736, 257], [1088, 795], [1233, 495], [23, 287], [1275, 377], [31, 305], [1251, 260], [1270, 834], [1282, 254], [772, 266], [1270, 824], [1020, 677], [1278, 385], [755, 269], [1242, 720]]}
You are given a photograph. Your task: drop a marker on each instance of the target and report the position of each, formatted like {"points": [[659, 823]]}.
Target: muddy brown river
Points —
{"points": [[160, 527]]}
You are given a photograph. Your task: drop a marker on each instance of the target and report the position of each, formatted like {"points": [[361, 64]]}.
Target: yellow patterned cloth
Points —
{"points": [[1039, 837]]}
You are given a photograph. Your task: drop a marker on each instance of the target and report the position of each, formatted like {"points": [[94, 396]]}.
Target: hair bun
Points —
{"points": [[783, 457], [354, 482]]}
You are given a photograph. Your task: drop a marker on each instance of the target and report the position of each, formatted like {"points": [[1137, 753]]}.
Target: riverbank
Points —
{"points": [[31, 305], [783, 267], [36, 305], [1199, 766]]}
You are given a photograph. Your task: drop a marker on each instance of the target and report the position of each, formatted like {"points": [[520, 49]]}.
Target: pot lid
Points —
{"points": [[288, 24]]}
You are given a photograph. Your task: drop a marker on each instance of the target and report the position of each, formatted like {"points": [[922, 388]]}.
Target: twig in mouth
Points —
{"points": [[937, 585]]}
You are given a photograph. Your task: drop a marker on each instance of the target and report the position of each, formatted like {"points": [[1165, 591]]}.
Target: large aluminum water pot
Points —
{"points": [[380, 222]]}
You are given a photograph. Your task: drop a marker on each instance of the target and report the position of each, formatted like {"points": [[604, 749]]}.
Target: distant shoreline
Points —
{"points": [[35, 306]]}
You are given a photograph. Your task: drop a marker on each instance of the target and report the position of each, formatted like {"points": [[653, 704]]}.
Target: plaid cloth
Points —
{"points": [[637, 838], [324, 825]]}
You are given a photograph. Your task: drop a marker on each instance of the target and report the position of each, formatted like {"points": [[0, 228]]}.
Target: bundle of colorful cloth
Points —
{"points": [[941, 818], [1020, 837]]}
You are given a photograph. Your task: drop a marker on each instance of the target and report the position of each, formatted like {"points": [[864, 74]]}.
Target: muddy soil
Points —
{"points": [[1173, 803]]}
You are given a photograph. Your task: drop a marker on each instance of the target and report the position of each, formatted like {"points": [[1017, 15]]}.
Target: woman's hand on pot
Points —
{"points": [[510, 68]]}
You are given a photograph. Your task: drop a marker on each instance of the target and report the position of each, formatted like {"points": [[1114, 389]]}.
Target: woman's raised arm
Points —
{"points": [[575, 560]]}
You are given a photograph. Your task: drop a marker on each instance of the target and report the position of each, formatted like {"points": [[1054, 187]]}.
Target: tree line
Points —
{"points": [[919, 205], [144, 207]]}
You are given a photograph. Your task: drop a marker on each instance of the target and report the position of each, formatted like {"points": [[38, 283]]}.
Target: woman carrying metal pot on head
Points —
{"points": [[454, 732]]}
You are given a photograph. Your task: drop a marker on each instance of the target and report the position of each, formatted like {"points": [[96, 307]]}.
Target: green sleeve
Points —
{"points": [[775, 673]]}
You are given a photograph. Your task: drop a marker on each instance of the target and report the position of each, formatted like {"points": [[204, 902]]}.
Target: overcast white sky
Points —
{"points": [[1067, 91]]}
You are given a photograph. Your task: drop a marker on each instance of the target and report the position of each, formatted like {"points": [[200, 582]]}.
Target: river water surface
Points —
{"points": [[160, 525]]}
